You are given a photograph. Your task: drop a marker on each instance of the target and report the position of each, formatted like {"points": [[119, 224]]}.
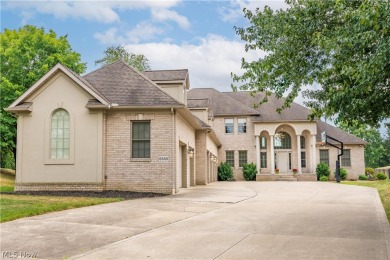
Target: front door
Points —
{"points": [[283, 161]]}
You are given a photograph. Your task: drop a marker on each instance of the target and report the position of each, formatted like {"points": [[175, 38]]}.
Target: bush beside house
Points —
{"points": [[249, 171], [225, 172]]}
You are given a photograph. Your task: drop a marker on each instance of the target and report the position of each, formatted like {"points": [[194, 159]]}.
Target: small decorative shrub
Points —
{"points": [[369, 171], [277, 170], [295, 170], [249, 171], [381, 176], [343, 174], [324, 178], [322, 170], [225, 172], [363, 177]]}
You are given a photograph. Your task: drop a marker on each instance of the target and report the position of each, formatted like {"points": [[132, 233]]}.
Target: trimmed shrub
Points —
{"points": [[343, 174], [322, 170], [363, 177], [324, 178], [381, 176], [369, 171], [225, 172], [249, 171]]}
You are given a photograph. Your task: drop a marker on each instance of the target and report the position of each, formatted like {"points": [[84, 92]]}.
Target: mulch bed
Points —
{"points": [[127, 195]]}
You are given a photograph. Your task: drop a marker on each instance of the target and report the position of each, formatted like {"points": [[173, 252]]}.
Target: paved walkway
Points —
{"points": [[231, 220]]}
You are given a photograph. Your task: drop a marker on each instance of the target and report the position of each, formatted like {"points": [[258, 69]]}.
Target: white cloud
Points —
{"points": [[209, 63], [142, 31], [100, 11], [234, 12], [166, 15]]}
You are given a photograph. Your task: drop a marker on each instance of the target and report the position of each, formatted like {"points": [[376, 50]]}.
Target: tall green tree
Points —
{"points": [[374, 151], [343, 45], [26, 55], [386, 145], [114, 53]]}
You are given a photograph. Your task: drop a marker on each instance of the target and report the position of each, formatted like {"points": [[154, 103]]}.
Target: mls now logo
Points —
{"points": [[18, 254]]}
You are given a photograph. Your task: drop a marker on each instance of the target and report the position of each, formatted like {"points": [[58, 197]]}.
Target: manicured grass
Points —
{"points": [[7, 182], [383, 188], [19, 206]]}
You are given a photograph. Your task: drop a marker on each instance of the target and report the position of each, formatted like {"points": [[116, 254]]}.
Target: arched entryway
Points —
{"points": [[283, 152]]}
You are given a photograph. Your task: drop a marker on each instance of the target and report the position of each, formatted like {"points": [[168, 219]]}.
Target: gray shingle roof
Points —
{"points": [[220, 103], [85, 82], [166, 75], [198, 103], [267, 110], [121, 84], [337, 133]]}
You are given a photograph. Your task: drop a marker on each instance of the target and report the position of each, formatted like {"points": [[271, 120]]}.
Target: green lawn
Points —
{"points": [[7, 183], [383, 188], [19, 206]]}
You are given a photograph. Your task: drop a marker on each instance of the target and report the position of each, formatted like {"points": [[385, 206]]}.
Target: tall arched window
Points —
{"points": [[60, 135], [282, 141]]}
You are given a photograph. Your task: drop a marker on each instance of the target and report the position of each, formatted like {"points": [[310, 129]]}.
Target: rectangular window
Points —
{"points": [[346, 158], [229, 126], [242, 125], [263, 142], [303, 159], [263, 159], [230, 158], [242, 158], [324, 156], [140, 140]]}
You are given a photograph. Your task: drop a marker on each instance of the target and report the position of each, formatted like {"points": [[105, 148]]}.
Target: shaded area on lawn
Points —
{"points": [[383, 188]]}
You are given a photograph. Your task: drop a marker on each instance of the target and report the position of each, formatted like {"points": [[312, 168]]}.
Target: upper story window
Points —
{"points": [[140, 147], [60, 135], [282, 141], [229, 125], [263, 142], [242, 125], [303, 142]]}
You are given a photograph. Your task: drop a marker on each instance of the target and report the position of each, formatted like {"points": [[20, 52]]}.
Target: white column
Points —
{"points": [[272, 155], [313, 153], [257, 154], [299, 153]]}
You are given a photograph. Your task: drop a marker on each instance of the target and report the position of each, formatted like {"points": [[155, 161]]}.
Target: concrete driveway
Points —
{"points": [[231, 220]]}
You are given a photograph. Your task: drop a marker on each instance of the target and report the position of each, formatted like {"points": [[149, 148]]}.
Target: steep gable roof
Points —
{"points": [[339, 134], [124, 86], [221, 104], [267, 110], [58, 68]]}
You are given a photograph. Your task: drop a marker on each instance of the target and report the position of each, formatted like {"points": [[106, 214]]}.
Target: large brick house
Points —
{"points": [[119, 129]]}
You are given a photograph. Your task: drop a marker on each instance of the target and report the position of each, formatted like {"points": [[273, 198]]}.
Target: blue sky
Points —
{"points": [[197, 35]]}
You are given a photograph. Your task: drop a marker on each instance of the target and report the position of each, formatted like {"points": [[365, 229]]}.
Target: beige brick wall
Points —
{"points": [[357, 160], [201, 157], [125, 173], [236, 142]]}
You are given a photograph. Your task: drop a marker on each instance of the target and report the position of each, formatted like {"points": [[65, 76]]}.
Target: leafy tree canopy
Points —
{"points": [[114, 53], [343, 45], [26, 55]]}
